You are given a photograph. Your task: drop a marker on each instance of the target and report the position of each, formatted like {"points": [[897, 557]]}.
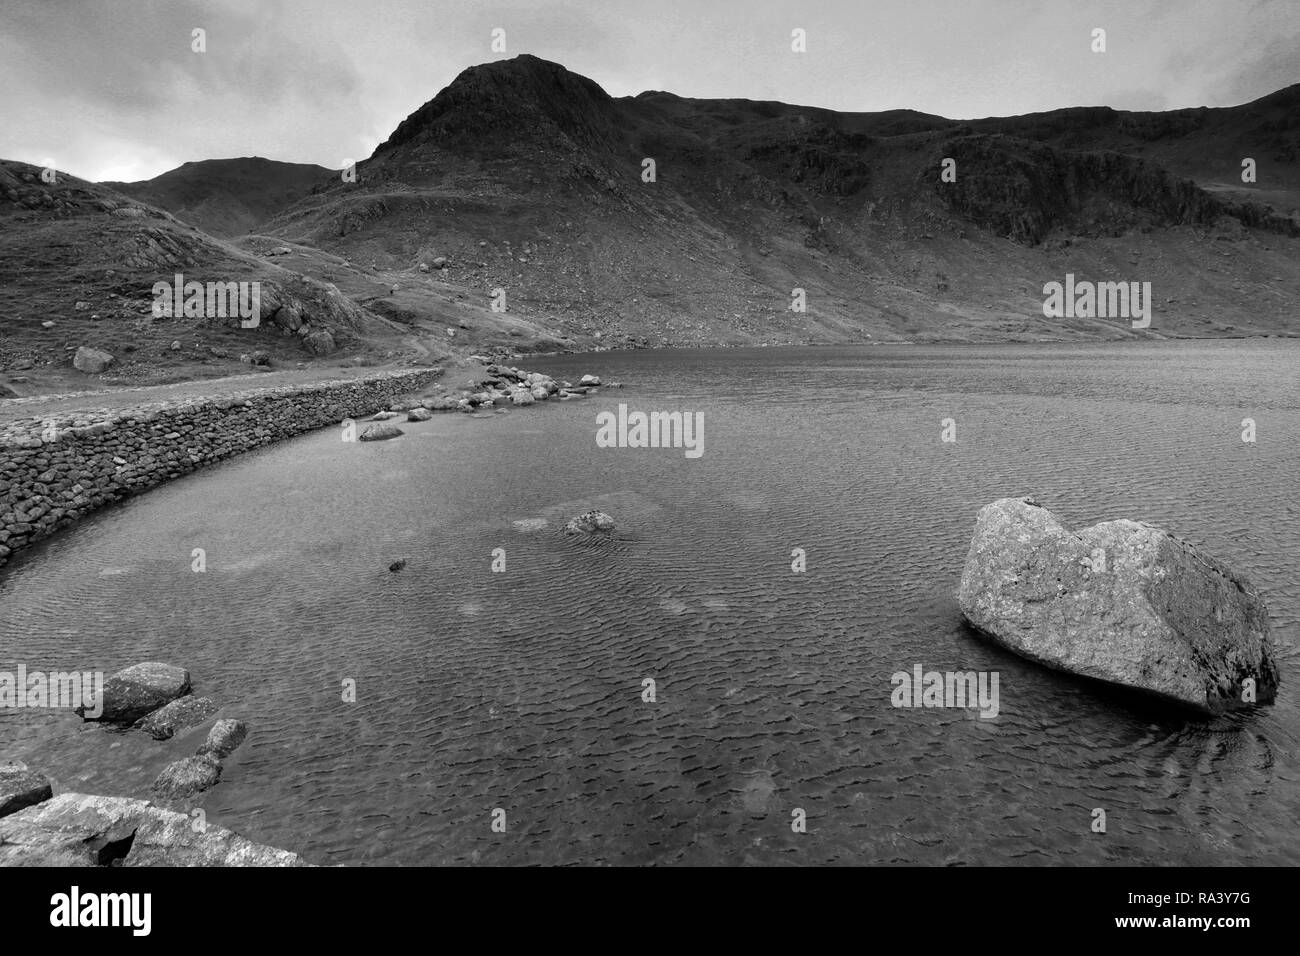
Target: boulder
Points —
{"points": [[380, 433], [540, 393], [77, 829], [21, 788], [589, 380], [139, 690], [164, 722], [419, 414], [1120, 601], [188, 776], [91, 361], [224, 738], [589, 523], [382, 416], [520, 397], [441, 404], [320, 342]]}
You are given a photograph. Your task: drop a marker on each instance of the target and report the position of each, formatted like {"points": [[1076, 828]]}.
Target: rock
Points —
{"points": [[418, 414], [21, 788], [164, 722], [589, 380], [139, 690], [520, 397], [589, 523], [1120, 601], [224, 738], [381, 433], [82, 306], [47, 324], [440, 262], [260, 357], [176, 345], [397, 565], [382, 416], [319, 342], [188, 776], [441, 404], [424, 267], [77, 829], [540, 393], [91, 361]]}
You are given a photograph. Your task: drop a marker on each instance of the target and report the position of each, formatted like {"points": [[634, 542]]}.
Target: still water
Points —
{"points": [[523, 690]]}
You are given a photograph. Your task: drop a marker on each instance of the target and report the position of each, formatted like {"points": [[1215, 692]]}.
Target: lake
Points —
{"points": [[524, 690]]}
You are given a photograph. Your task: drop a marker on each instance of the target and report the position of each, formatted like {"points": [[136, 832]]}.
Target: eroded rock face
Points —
{"points": [[141, 689], [76, 829], [1120, 601]]}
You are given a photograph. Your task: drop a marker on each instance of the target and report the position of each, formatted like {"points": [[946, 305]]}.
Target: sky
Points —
{"points": [[116, 91]]}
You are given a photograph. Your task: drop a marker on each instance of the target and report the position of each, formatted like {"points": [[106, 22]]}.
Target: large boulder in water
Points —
{"points": [[21, 788], [1122, 602], [139, 690], [381, 433]]}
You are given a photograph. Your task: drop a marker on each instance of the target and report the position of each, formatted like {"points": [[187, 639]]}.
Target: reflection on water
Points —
{"points": [[523, 690]]}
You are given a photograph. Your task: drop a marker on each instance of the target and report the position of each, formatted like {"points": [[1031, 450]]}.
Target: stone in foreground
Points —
{"points": [[91, 361], [1120, 601], [164, 722], [139, 690], [589, 523], [21, 788], [76, 829]]}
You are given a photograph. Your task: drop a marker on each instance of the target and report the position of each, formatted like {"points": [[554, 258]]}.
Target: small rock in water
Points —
{"points": [[419, 414], [589, 523], [188, 776], [382, 416], [164, 722], [589, 380], [380, 433], [397, 565], [224, 738], [1122, 602], [21, 788]]}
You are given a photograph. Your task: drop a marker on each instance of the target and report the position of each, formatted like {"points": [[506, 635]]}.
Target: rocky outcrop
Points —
{"points": [[55, 470], [80, 830], [20, 788], [139, 690], [590, 523], [1122, 602]]}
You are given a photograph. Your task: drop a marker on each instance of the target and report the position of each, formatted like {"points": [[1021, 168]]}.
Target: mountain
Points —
{"points": [[525, 185], [527, 177], [226, 197]]}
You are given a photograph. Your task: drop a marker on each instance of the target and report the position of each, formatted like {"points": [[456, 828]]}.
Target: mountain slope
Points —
{"points": [[226, 197]]}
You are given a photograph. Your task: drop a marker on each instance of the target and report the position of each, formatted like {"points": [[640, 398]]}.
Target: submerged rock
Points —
{"points": [[164, 722], [188, 776], [77, 829], [1120, 601], [397, 565], [21, 788], [381, 433], [139, 690], [589, 523], [224, 738]]}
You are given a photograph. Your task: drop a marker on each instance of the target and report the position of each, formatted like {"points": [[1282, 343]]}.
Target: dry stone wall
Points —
{"points": [[53, 471]]}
